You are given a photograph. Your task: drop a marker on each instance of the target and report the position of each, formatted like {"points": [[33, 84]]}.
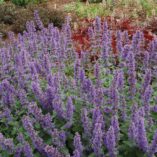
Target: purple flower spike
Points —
{"points": [[27, 150], [146, 99], [147, 80], [85, 121], [76, 153], [97, 139], [153, 146], [69, 109], [96, 114], [132, 133], [38, 20], [114, 98], [120, 81], [82, 75], [141, 135], [98, 24], [146, 60], [115, 124], [78, 143], [111, 142], [7, 144], [132, 73], [51, 151]]}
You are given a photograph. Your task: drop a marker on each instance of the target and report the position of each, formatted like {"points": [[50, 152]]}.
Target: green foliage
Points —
{"points": [[96, 8], [26, 2], [1, 1], [21, 2], [92, 1], [47, 16], [11, 19], [90, 11], [7, 13], [95, 1]]}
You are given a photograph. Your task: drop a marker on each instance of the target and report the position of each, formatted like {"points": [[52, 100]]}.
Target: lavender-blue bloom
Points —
{"points": [[147, 80], [85, 121], [81, 75], [62, 138], [37, 141], [7, 144], [131, 73], [125, 52], [135, 42], [96, 113], [97, 71], [76, 153], [7, 92], [49, 97], [132, 132], [120, 80], [18, 152], [141, 135], [69, 109], [38, 20], [51, 151], [57, 106], [27, 150], [115, 124], [146, 60], [153, 146], [111, 142], [47, 64], [58, 138], [20, 138], [105, 52], [146, 99], [22, 95], [33, 72], [77, 65], [37, 91], [123, 108], [114, 99], [136, 114], [105, 26], [35, 110], [98, 97], [78, 143], [98, 24], [97, 139]]}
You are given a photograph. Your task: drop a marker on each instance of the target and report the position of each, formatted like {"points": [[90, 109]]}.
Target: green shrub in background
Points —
{"points": [[21, 2], [47, 16], [90, 11], [26, 2], [7, 13], [92, 1], [1, 1], [11, 19], [95, 1]]}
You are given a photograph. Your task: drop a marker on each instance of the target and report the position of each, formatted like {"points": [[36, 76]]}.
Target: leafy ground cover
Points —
{"points": [[56, 103]]}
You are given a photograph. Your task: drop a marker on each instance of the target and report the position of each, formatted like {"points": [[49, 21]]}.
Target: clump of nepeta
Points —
{"points": [[56, 103]]}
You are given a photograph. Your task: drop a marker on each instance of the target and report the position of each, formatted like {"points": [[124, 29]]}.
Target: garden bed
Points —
{"points": [[86, 88]]}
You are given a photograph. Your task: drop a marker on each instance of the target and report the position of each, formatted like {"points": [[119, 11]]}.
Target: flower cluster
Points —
{"points": [[56, 103]]}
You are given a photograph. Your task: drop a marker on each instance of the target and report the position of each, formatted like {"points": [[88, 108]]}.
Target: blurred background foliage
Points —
{"points": [[143, 11]]}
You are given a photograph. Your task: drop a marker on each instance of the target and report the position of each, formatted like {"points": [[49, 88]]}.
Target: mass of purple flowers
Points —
{"points": [[56, 103]]}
